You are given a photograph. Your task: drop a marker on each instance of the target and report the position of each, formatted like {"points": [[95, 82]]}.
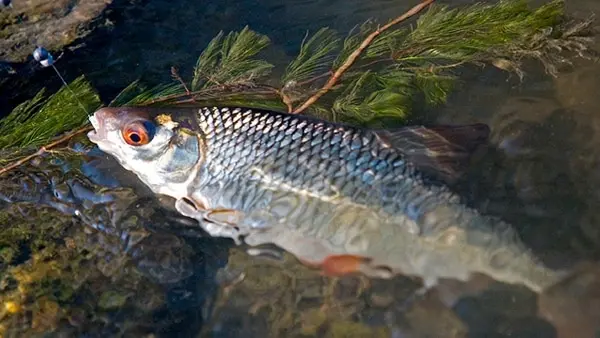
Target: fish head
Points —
{"points": [[163, 153]]}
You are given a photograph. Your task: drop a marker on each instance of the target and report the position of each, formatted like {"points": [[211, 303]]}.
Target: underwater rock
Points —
{"points": [[578, 296], [83, 253], [51, 23]]}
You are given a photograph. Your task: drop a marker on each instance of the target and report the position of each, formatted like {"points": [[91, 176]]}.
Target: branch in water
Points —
{"points": [[175, 75], [45, 148], [354, 56]]}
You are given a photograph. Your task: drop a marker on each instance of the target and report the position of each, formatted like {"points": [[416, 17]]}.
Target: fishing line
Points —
{"points": [[41, 55]]}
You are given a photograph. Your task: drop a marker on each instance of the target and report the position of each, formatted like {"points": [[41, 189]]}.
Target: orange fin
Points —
{"points": [[224, 216], [341, 265]]}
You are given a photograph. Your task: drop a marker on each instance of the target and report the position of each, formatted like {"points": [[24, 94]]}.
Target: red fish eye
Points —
{"points": [[137, 134]]}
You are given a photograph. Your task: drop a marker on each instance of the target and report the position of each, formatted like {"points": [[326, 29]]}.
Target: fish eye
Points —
{"points": [[138, 133]]}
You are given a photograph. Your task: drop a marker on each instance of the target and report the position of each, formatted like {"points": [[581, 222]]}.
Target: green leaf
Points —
{"points": [[435, 88], [35, 122], [22, 112], [207, 61], [230, 60], [386, 43], [508, 30], [370, 95], [128, 94], [315, 57], [159, 92], [400, 66], [353, 40]]}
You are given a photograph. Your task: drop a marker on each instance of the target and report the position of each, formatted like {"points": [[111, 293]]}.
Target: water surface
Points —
{"points": [[542, 178]]}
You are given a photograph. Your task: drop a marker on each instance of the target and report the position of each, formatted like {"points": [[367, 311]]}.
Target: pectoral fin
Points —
{"points": [[217, 222], [224, 216], [188, 208], [441, 151]]}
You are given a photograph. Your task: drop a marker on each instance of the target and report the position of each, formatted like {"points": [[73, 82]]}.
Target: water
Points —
{"points": [[142, 279]]}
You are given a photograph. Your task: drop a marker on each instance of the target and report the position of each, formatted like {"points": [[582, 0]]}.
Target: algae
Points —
{"points": [[63, 274]]}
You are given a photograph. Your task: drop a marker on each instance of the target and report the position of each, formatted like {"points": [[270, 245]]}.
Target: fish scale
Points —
{"points": [[319, 189], [286, 159], [347, 153]]}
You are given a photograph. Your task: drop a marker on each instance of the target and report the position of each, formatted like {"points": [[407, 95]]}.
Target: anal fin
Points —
{"points": [[341, 265]]}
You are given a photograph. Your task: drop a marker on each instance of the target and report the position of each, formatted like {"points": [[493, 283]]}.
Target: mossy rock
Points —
{"points": [[54, 23]]}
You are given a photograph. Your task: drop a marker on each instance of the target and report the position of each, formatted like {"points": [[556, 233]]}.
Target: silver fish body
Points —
{"points": [[320, 190]]}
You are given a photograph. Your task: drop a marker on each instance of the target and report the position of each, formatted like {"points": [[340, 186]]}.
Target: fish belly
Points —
{"points": [[447, 240]]}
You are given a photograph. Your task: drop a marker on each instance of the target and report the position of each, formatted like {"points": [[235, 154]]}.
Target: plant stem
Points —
{"points": [[176, 76], [46, 148], [328, 73], [286, 99], [258, 89], [354, 56]]}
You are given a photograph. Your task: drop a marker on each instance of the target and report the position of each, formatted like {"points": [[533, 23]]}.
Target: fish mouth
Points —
{"points": [[94, 121], [93, 135]]}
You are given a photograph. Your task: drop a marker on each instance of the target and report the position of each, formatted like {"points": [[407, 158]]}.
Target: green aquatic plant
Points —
{"points": [[230, 60], [397, 70], [314, 58], [34, 122], [375, 71], [408, 65]]}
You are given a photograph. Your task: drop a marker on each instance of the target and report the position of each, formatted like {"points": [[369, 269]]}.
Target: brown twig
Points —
{"points": [[287, 100], [354, 56], [175, 74], [45, 148]]}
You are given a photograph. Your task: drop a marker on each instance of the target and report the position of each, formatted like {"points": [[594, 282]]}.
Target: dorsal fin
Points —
{"points": [[443, 151]]}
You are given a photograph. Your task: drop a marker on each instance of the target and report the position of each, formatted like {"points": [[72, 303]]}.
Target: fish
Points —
{"points": [[342, 198]]}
